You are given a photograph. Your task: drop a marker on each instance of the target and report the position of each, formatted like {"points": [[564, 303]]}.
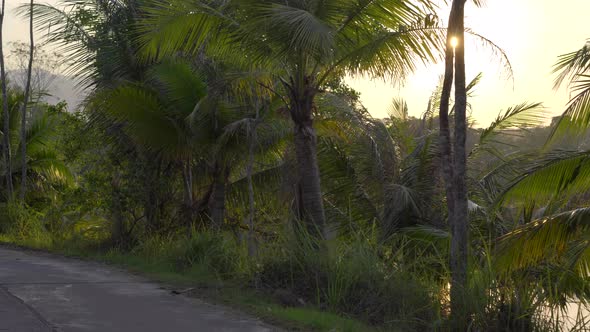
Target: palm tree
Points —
{"points": [[454, 159], [47, 169], [557, 179], [93, 37], [304, 44], [154, 113]]}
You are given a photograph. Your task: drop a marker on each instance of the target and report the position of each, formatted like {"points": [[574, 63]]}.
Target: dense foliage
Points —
{"points": [[209, 126]]}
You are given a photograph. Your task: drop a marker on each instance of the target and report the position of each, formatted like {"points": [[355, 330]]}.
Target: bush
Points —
{"points": [[351, 279], [216, 252], [23, 225]]}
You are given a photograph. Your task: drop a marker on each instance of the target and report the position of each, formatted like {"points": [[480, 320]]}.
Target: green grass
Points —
{"points": [[235, 295], [207, 285], [317, 320]]}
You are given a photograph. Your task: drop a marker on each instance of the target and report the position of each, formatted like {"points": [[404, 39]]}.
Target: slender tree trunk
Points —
{"points": [[151, 207], [460, 231], [116, 210], [454, 163], [446, 151], [23, 127], [253, 138], [152, 194], [6, 112], [189, 209], [217, 198]]}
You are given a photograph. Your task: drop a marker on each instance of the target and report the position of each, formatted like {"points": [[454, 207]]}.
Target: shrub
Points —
{"points": [[350, 279], [216, 252], [23, 225]]}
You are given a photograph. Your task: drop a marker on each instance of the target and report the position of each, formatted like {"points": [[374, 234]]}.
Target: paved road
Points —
{"points": [[41, 292]]}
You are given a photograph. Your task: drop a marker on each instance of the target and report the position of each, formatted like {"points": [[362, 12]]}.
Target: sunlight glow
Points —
{"points": [[454, 42]]}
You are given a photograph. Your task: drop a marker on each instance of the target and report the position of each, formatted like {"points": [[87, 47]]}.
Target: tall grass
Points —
{"points": [[214, 252], [350, 278]]}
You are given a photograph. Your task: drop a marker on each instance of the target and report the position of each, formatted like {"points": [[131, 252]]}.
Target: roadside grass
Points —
{"points": [[197, 279]]}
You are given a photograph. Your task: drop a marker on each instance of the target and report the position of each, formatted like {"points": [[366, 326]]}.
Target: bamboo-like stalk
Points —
{"points": [[23, 127]]}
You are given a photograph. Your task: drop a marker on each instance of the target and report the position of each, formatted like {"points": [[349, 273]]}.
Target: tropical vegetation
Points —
{"points": [[218, 142]]}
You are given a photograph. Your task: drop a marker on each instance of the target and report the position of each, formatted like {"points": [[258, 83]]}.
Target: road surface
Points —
{"points": [[41, 292]]}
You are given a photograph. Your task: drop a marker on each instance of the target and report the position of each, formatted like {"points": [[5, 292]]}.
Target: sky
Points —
{"points": [[533, 33]]}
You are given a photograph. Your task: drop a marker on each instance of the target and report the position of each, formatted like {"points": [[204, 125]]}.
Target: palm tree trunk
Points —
{"points": [[6, 141], [309, 199], [23, 127], [454, 164], [187, 180], [460, 231], [253, 137], [446, 151]]}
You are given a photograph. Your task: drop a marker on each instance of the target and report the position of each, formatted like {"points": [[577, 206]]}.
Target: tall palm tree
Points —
{"points": [[454, 159], [304, 44]]}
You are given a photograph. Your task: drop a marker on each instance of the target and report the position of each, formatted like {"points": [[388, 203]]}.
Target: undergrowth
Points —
{"points": [[347, 284]]}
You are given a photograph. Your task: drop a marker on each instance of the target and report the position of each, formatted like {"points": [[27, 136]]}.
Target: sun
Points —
{"points": [[454, 42]]}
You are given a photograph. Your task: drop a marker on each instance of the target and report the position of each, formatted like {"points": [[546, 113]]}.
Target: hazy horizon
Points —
{"points": [[520, 27]]}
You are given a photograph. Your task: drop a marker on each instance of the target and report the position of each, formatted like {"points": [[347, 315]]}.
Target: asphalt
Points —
{"points": [[43, 292]]}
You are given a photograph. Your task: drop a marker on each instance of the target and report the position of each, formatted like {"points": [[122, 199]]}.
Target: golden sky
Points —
{"points": [[532, 32]]}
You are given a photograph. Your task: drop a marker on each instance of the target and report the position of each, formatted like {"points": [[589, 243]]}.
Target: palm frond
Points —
{"points": [[547, 239], [398, 109], [515, 120], [558, 173], [576, 117], [306, 32], [143, 115], [170, 26], [180, 85], [46, 164], [570, 65]]}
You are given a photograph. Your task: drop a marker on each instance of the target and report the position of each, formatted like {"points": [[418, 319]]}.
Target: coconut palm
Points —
{"points": [[557, 178], [47, 168], [93, 36], [304, 44]]}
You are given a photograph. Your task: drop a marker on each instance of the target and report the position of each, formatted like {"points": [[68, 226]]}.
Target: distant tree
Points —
{"points": [[6, 111], [46, 65]]}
